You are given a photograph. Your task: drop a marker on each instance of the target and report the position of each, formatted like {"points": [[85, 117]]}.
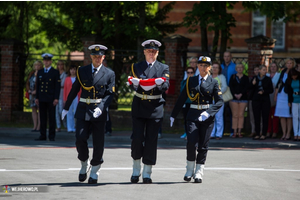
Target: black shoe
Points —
{"points": [[82, 177], [51, 139], [40, 138], [134, 179], [198, 180], [92, 181], [147, 180], [33, 130], [188, 179]]}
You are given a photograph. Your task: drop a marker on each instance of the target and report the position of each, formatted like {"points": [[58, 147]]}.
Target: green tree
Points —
{"points": [[211, 16]]}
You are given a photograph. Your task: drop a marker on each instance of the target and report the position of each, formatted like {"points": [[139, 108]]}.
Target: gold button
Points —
{"points": [[42, 82], [202, 100], [84, 84], [96, 91], [207, 91], [46, 82], [49, 79], [45, 90], [41, 90], [102, 86], [42, 86]]}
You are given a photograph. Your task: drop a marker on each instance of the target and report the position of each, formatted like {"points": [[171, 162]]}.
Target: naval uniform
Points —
{"points": [[97, 91], [48, 89], [202, 100], [147, 112]]}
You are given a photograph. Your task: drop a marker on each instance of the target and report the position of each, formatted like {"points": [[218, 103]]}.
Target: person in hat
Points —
{"points": [[98, 87], [201, 90], [150, 79], [47, 95]]}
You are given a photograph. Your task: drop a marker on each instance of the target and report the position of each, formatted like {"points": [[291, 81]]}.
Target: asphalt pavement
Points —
{"points": [[120, 138], [236, 168]]}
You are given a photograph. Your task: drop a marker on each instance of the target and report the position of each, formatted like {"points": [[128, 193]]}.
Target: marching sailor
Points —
{"points": [[98, 88], [150, 79], [201, 90]]}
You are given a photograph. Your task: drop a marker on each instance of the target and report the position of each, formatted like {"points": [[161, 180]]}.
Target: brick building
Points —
{"points": [[248, 24]]}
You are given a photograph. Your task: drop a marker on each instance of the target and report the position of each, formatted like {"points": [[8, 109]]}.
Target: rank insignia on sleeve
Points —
{"points": [[219, 93], [167, 75], [113, 89]]}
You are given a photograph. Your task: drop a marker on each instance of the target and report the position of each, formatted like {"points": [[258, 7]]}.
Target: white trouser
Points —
{"points": [[71, 114], [296, 118], [58, 111], [219, 124]]}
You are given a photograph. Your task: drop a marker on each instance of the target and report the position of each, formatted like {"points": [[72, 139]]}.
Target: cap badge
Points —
{"points": [[204, 59], [152, 44], [97, 48]]}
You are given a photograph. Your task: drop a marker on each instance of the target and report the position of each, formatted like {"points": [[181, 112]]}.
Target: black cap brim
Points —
{"points": [[100, 53]]}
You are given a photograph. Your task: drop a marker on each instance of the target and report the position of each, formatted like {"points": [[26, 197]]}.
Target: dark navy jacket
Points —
{"points": [[208, 91], [48, 85], [150, 108], [104, 84]]}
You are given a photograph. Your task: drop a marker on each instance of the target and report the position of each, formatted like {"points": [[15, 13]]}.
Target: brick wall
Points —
{"points": [[239, 33], [10, 96]]}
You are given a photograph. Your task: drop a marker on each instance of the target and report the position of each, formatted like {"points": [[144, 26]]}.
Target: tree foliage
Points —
{"points": [[211, 16]]}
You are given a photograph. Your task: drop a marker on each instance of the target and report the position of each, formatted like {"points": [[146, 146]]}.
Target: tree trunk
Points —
{"points": [[215, 44], [224, 32], [142, 21], [117, 63], [204, 41]]}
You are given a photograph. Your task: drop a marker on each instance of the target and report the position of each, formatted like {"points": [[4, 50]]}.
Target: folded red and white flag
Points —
{"points": [[146, 84]]}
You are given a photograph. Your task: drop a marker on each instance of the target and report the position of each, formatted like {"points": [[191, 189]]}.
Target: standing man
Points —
{"points": [[201, 90], [98, 88], [147, 109], [47, 95], [228, 68]]}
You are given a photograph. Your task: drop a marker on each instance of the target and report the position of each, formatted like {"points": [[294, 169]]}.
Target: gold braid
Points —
{"points": [[188, 92], [133, 74], [86, 88]]}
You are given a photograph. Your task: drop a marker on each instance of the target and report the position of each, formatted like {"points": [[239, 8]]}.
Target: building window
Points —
{"points": [[278, 33], [258, 24]]}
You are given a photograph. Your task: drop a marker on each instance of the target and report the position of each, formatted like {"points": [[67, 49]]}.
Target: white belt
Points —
{"points": [[88, 100], [148, 96], [200, 107]]}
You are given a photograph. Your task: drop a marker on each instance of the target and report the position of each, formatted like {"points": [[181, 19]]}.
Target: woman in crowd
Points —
{"points": [[293, 90], [282, 109], [59, 106], [238, 84], [262, 88], [218, 129], [190, 72], [68, 86], [273, 120], [30, 87]]}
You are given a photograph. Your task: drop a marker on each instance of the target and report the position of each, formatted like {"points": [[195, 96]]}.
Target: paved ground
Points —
{"points": [[235, 169]]}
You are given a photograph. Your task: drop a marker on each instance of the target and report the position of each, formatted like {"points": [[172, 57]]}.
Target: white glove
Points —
{"points": [[63, 114], [171, 121], [97, 112], [203, 116], [159, 81], [135, 81]]}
